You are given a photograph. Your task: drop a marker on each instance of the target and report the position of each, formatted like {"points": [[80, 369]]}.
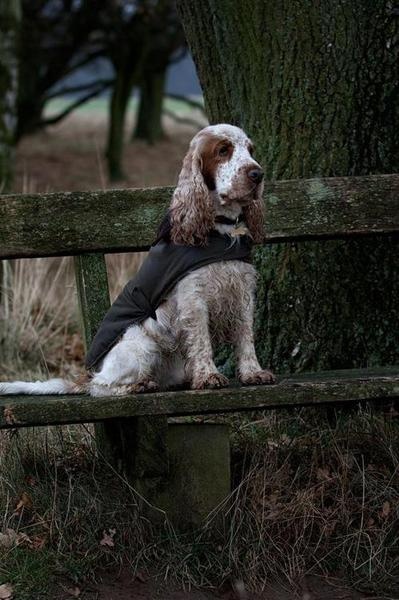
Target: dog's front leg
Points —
{"points": [[199, 364], [249, 370]]}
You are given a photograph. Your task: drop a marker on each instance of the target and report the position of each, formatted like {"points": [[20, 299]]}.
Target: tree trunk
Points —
{"points": [[149, 116], [316, 86], [119, 101], [9, 20]]}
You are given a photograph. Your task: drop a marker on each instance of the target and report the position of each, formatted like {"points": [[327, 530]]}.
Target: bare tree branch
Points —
{"points": [[74, 66], [71, 107], [182, 120], [80, 88], [179, 56], [189, 101]]}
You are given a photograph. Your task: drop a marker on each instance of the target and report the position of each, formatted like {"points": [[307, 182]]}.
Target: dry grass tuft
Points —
{"points": [[310, 499], [64, 512], [38, 315], [319, 499]]}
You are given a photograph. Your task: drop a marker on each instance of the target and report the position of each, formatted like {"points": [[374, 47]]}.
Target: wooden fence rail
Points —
{"points": [[65, 223]]}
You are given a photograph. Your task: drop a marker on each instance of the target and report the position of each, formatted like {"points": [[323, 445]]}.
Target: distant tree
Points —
{"points": [[57, 39], [139, 37], [170, 46], [142, 38], [9, 24], [149, 114], [316, 84]]}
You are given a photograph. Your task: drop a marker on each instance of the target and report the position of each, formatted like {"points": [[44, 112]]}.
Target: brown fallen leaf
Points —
{"points": [[30, 480], [24, 502], [108, 538], [9, 416], [8, 539], [75, 591], [6, 591], [386, 509]]}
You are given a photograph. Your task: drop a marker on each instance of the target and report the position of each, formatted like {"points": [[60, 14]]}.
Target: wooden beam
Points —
{"points": [[64, 223], [335, 388]]}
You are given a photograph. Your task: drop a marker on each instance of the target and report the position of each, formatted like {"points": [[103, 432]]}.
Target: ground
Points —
{"points": [[70, 155], [123, 587]]}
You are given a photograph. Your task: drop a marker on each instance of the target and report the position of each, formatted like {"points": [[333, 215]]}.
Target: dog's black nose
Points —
{"points": [[255, 175]]}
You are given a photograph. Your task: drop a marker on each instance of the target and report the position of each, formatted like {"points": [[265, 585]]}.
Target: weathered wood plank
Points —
{"points": [[93, 293], [66, 223], [332, 207], [94, 301], [337, 388]]}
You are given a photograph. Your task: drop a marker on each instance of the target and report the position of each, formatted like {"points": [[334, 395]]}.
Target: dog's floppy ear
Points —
{"points": [[254, 216], [192, 212]]}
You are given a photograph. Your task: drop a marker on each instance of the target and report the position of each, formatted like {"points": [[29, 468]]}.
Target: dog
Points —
{"points": [[219, 193]]}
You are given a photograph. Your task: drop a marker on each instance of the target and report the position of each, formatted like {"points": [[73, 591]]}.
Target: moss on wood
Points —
{"points": [[65, 223], [339, 388]]}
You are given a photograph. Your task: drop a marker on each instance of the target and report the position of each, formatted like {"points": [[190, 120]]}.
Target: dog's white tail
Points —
{"points": [[52, 386]]}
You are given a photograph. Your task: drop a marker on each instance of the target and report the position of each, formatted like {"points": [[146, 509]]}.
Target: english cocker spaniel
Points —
{"points": [[195, 290]]}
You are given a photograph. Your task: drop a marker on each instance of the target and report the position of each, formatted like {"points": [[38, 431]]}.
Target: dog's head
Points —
{"points": [[218, 171]]}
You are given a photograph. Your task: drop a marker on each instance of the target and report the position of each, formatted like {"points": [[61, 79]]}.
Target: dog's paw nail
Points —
{"points": [[143, 386], [212, 381], [258, 378]]}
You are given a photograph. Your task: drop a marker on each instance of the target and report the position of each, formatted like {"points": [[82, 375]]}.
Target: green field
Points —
{"points": [[100, 105]]}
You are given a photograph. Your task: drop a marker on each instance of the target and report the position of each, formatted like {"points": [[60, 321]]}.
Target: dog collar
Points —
{"points": [[227, 221]]}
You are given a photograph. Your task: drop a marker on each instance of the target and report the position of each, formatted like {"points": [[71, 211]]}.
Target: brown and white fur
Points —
{"points": [[212, 304]]}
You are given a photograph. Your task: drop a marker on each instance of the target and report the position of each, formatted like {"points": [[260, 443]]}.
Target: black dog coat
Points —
{"points": [[165, 265]]}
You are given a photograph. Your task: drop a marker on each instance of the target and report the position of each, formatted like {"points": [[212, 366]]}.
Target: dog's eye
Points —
{"points": [[223, 150], [251, 150]]}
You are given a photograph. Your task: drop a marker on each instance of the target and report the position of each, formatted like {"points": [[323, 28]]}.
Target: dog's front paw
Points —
{"points": [[257, 378], [209, 380], [145, 385]]}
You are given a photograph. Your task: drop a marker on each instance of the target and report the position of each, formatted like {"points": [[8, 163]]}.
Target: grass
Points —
{"points": [[100, 106], [326, 498], [37, 316], [313, 499], [58, 502]]}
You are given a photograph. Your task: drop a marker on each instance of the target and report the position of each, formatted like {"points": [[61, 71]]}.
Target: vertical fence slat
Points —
{"points": [[93, 293], [134, 445]]}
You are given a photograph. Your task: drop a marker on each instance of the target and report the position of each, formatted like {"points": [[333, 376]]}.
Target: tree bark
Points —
{"points": [[316, 86], [9, 21], [149, 116]]}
